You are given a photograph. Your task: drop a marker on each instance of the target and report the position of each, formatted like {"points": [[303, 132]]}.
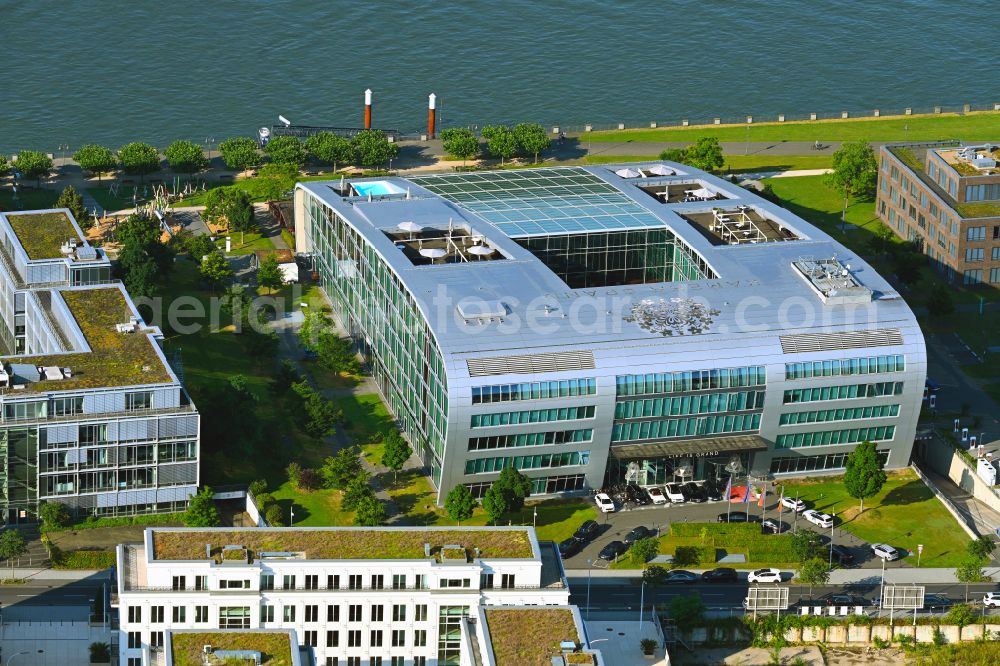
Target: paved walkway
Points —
{"points": [[984, 519], [851, 576]]}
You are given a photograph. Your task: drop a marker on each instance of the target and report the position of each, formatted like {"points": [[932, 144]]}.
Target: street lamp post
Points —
{"points": [[18, 654], [642, 602], [589, 563], [831, 539]]}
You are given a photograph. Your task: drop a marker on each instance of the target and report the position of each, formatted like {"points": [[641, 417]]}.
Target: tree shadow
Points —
{"points": [[910, 492], [288, 506]]}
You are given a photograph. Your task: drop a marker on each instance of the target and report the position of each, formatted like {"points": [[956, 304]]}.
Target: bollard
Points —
{"points": [[588, 128], [843, 114], [812, 116], [685, 123], [781, 117], [876, 113], [908, 111], [621, 126], [652, 125], [937, 109], [717, 121], [749, 119], [966, 108], [555, 130]]}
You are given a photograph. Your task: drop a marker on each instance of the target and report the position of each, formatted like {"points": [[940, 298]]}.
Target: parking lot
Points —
{"points": [[614, 526]]}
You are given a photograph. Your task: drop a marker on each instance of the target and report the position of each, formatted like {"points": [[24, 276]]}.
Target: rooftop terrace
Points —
{"points": [[275, 647], [973, 160], [682, 192], [386, 543], [42, 234], [115, 359], [738, 225], [529, 636], [454, 245]]}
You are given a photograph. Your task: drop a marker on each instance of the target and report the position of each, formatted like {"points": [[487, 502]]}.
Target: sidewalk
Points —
{"points": [[44, 573], [837, 576]]}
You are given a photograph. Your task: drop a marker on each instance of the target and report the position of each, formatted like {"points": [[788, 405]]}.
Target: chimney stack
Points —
{"points": [[431, 114], [368, 108]]}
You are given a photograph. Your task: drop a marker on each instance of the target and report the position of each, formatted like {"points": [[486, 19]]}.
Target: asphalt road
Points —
{"points": [[51, 592], [619, 596]]}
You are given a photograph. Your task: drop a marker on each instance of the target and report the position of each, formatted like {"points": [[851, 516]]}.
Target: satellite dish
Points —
{"points": [[285, 121]]}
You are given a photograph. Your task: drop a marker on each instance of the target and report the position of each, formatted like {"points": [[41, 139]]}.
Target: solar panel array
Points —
{"points": [[533, 202]]}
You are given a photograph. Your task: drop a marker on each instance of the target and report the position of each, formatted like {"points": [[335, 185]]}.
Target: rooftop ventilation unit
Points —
{"points": [[86, 253], [130, 327]]}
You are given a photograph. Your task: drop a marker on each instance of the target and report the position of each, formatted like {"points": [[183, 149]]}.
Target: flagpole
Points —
{"points": [[729, 497]]}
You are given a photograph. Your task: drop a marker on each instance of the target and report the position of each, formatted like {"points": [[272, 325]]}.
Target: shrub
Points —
{"points": [[880, 643], [687, 556], [53, 514], [308, 480], [274, 516], [939, 638], [643, 550], [962, 615], [648, 645]]}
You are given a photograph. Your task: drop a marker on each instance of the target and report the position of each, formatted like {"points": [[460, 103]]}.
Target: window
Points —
{"points": [[354, 661], [972, 276], [798, 464], [333, 582], [846, 392], [846, 366], [354, 638], [288, 582], [684, 427], [375, 638], [834, 437], [420, 581], [455, 582], [974, 254], [312, 582], [374, 661], [398, 613], [420, 638], [288, 613], [135, 661], [975, 233], [234, 584], [534, 390], [420, 661], [66, 406], [378, 581], [995, 276], [138, 400], [156, 639], [178, 614], [267, 581], [532, 416], [234, 617], [399, 581], [507, 581], [378, 613], [93, 434], [530, 439], [201, 582], [354, 582], [488, 465], [19, 411], [311, 638], [397, 661], [354, 613], [266, 614], [420, 613], [134, 614], [333, 613], [683, 405], [312, 613], [134, 640], [201, 614], [691, 380], [995, 255], [333, 639], [849, 414]]}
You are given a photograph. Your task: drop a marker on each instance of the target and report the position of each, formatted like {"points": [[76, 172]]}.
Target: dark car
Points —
{"points": [[570, 547], [695, 492], [637, 495], [770, 526], [720, 575], [714, 491], [587, 531], [844, 600], [935, 602], [636, 534], [841, 555], [734, 517], [613, 550], [681, 576]]}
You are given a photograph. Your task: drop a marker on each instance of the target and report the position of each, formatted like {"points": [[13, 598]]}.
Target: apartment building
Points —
{"points": [[386, 596], [945, 198], [585, 325], [91, 413]]}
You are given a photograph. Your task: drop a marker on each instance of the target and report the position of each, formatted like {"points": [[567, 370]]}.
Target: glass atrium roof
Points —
{"points": [[533, 202]]}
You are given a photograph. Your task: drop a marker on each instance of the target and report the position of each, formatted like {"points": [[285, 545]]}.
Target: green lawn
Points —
{"points": [[246, 243], [977, 126], [27, 199], [315, 508], [904, 513], [364, 416], [111, 202]]}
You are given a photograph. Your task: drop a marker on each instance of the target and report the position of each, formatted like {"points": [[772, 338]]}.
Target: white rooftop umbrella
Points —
{"points": [[627, 173], [481, 250], [660, 170], [411, 227], [702, 193], [433, 252]]}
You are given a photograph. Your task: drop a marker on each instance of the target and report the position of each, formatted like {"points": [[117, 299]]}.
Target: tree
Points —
{"points": [[864, 475], [961, 614], [328, 148], [643, 550], [806, 545], [395, 452], [495, 503], [531, 138], [269, 275], [500, 141], [201, 511], [321, 414], [855, 172], [340, 468], [939, 301], [654, 574], [371, 148], [459, 503], [12, 545], [337, 354], [286, 150], [370, 512], [674, 155], [274, 181], [257, 487], [139, 271], [73, 200], [33, 165], [687, 556], [139, 159], [460, 142], [95, 159], [814, 572], [294, 472], [357, 489], [239, 153], [4, 166], [515, 485], [215, 269], [687, 611], [54, 514], [907, 263], [705, 154], [185, 156], [100, 653], [970, 571], [981, 547]]}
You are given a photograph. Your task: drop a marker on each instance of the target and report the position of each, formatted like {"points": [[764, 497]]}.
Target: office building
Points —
{"points": [[946, 199], [648, 322], [93, 415]]}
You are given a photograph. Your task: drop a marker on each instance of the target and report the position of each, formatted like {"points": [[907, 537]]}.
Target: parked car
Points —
{"points": [[681, 576], [604, 503], [637, 495], [844, 600], [715, 492], [657, 495], [734, 517], [841, 555], [612, 551], [720, 575], [694, 492], [770, 526], [764, 576], [674, 493], [991, 600], [794, 504], [588, 531], [885, 552], [636, 534], [817, 518], [937, 602], [570, 547]]}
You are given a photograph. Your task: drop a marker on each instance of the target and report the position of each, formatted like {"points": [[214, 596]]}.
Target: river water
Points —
{"points": [[112, 72]]}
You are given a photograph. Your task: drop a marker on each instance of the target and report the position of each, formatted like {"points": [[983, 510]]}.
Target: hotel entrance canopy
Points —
{"points": [[690, 447]]}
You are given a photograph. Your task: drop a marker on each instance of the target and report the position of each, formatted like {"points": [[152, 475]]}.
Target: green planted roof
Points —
{"points": [[42, 234]]}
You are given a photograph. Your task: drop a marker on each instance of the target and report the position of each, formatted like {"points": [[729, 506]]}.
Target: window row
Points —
{"points": [[562, 388], [311, 612], [67, 406], [846, 392], [332, 582], [849, 414], [705, 403], [846, 366], [793, 464], [532, 416], [543, 485], [530, 439], [831, 437], [691, 380], [704, 425], [488, 465], [974, 276]]}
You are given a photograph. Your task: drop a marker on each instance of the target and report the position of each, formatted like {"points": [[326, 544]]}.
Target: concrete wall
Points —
{"points": [[943, 459], [947, 504], [863, 634]]}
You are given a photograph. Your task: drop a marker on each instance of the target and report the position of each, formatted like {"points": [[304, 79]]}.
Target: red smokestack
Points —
{"points": [[431, 114], [368, 108]]}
